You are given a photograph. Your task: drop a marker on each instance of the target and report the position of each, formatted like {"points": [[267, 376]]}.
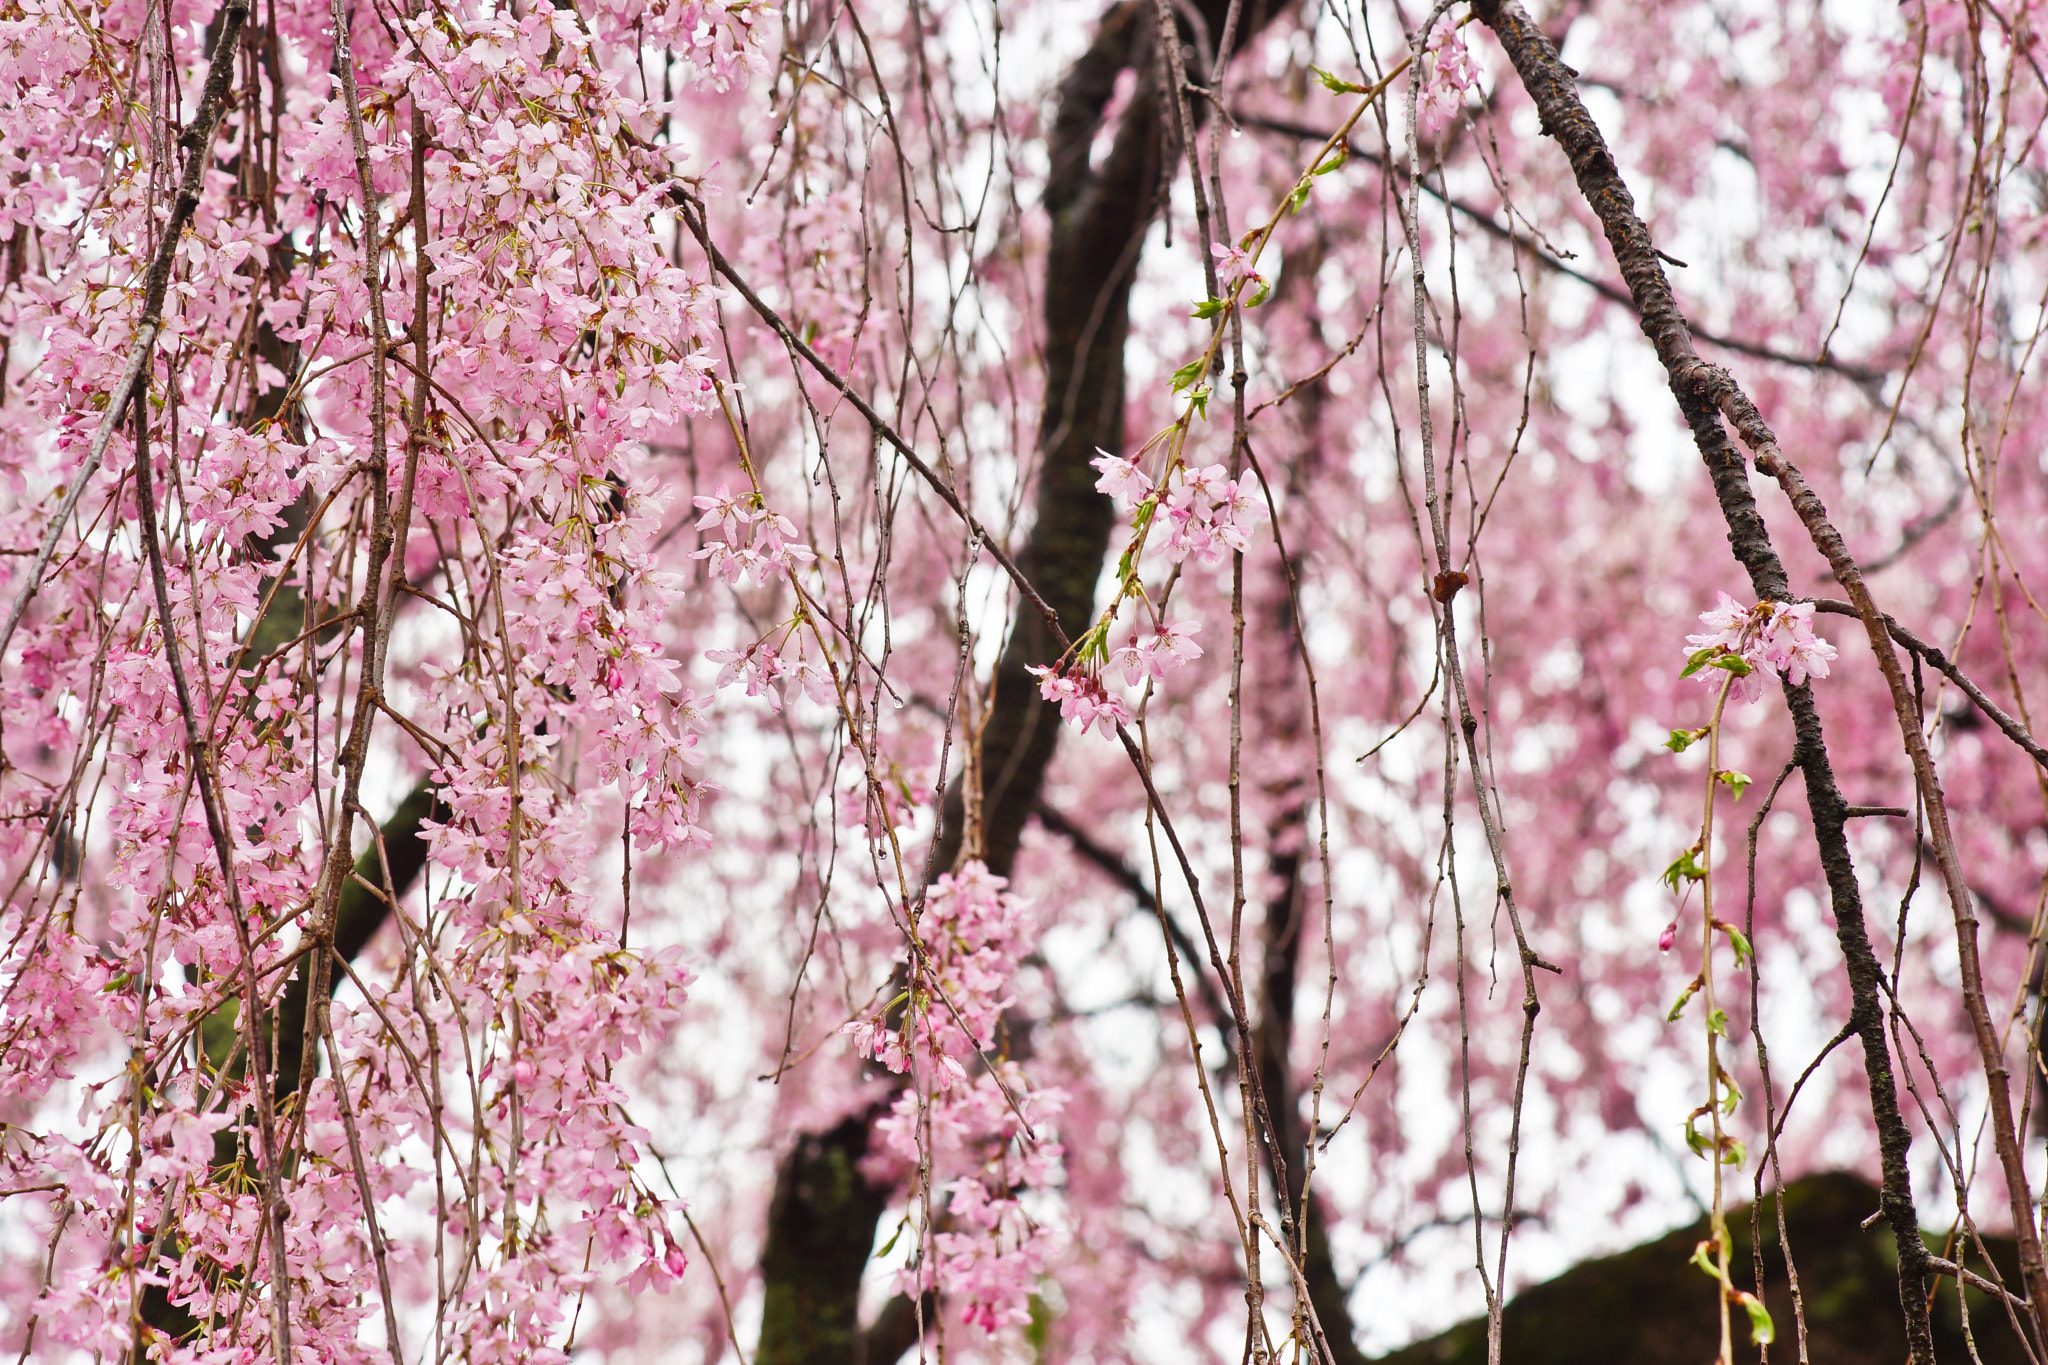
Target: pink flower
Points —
{"points": [[1120, 478], [1168, 649], [1451, 74], [1233, 266], [1208, 513], [1791, 647], [1770, 636], [1082, 698]]}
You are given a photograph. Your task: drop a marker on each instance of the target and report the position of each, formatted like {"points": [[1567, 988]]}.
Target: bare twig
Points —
{"points": [[1942, 664], [1553, 88]]}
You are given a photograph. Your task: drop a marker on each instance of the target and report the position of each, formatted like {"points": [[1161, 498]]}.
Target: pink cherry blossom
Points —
{"points": [[1776, 636], [659, 644], [1121, 479], [1082, 698], [1233, 265], [1450, 74], [1164, 650]]}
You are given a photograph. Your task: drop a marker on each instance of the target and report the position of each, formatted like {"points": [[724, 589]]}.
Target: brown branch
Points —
{"points": [[1862, 375], [692, 213], [1942, 664], [2005, 1133], [199, 760], [811, 1291], [197, 141], [1125, 876], [376, 620], [1099, 216], [1564, 117]]}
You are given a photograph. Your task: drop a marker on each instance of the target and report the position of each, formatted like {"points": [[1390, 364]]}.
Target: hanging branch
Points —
{"points": [[1942, 664], [200, 760], [1551, 87], [197, 141], [376, 622], [1770, 459]]}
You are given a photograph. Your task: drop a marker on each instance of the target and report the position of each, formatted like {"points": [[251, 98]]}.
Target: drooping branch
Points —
{"points": [[2005, 1129], [361, 909], [197, 143], [1121, 872], [692, 213], [1273, 1042], [1099, 215], [1862, 375], [1551, 86], [1938, 659], [1098, 221]]}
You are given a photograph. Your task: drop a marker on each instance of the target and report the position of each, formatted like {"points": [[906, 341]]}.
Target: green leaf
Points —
{"points": [[1703, 1252], [1209, 308], [1761, 1330], [1199, 400], [1684, 999], [1698, 1145], [1699, 658], [1259, 295], [890, 1245], [1735, 782], [1298, 197], [1734, 663], [1733, 1153], [1188, 374], [1336, 85], [1685, 867], [1337, 159], [1717, 1022], [1739, 942], [1681, 740]]}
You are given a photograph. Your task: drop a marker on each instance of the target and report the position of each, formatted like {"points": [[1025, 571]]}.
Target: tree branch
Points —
{"points": [[197, 141], [1862, 375], [1946, 666], [1564, 117]]}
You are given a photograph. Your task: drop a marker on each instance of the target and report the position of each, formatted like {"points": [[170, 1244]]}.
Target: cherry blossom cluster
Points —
{"points": [[1770, 636], [776, 663], [757, 541], [970, 934], [973, 1116], [990, 1251], [462, 1097], [1083, 697], [1083, 700], [1451, 74], [1207, 513]]}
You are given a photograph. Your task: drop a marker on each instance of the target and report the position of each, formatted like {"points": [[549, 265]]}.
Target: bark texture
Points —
{"points": [[1551, 85]]}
